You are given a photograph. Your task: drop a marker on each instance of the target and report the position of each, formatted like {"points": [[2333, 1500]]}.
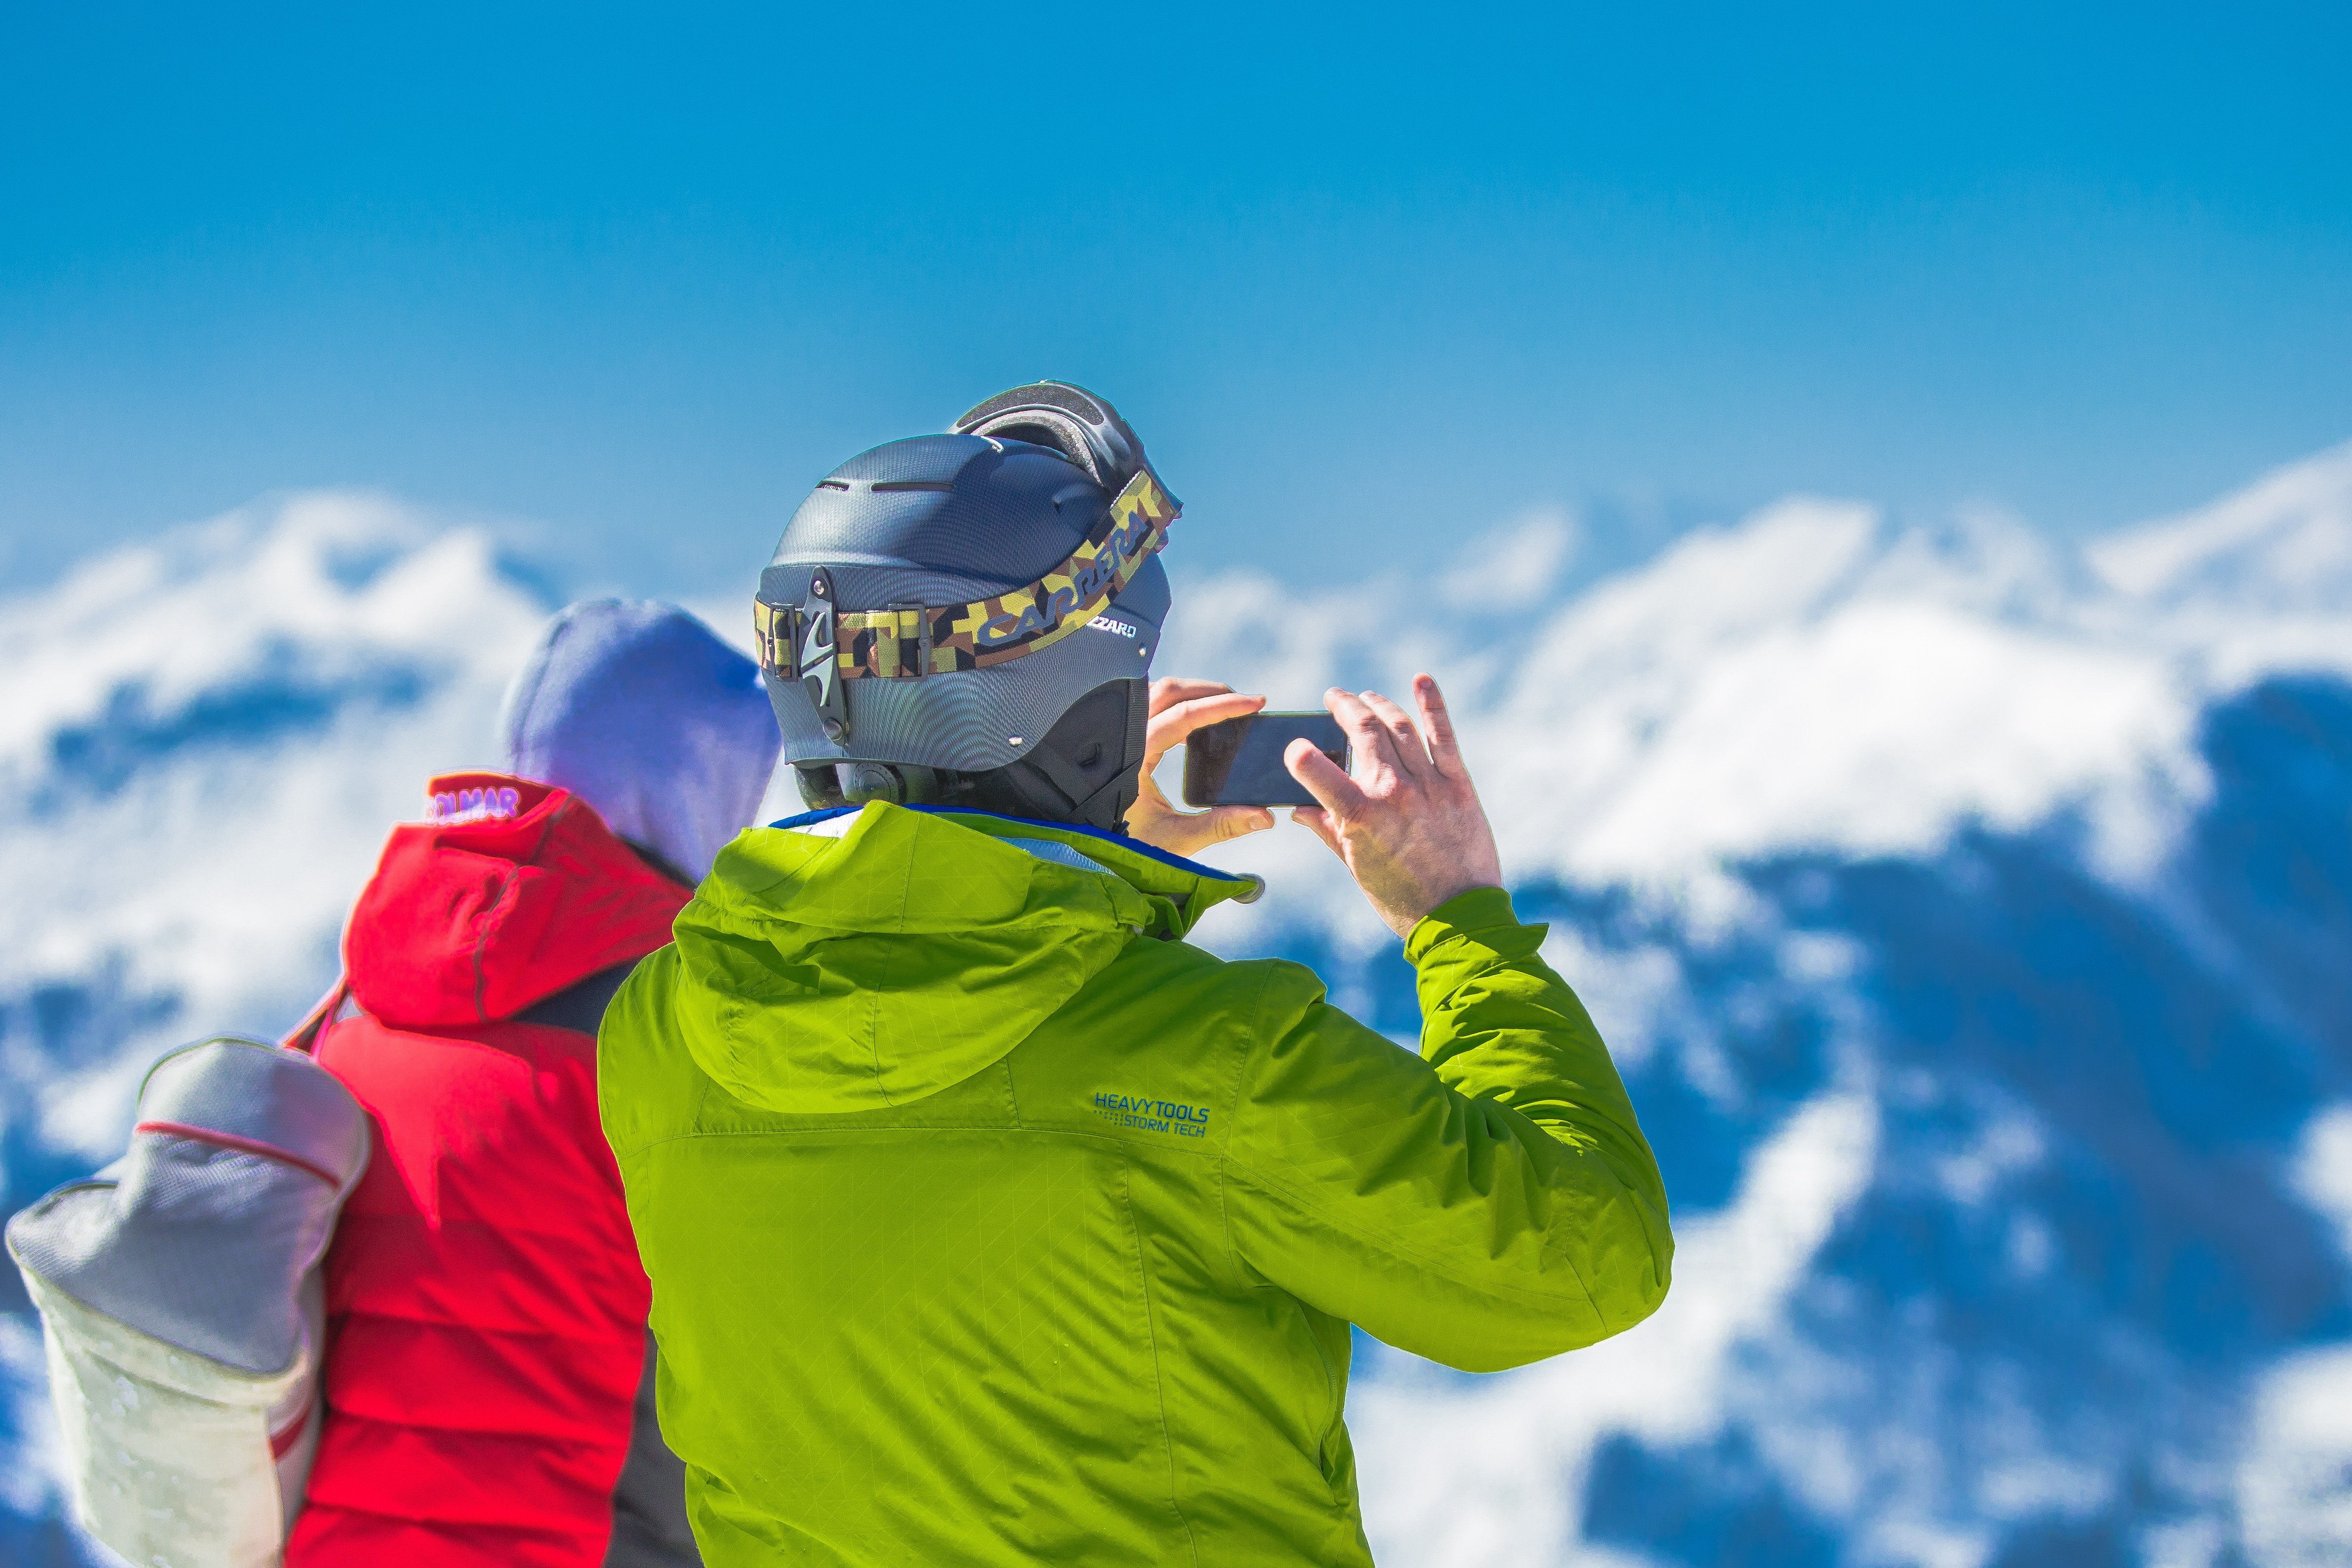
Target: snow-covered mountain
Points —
{"points": [[1971, 918]]}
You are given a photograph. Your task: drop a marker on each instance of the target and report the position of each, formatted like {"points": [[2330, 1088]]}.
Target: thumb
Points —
{"points": [[1233, 821]]}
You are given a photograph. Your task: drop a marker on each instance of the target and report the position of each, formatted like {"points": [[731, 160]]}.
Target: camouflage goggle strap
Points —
{"points": [[906, 642]]}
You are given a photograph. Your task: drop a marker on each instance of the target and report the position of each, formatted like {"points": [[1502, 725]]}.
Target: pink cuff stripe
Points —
{"points": [[242, 1145], [280, 1441]]}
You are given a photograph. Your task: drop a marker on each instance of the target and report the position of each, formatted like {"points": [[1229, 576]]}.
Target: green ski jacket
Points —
{"points": [[991, 1223]]}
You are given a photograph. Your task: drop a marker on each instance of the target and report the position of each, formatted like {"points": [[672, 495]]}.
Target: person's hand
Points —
{"points": [[1179, 707], [1405, 818]]}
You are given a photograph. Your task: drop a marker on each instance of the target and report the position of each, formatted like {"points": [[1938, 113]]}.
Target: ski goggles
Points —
{"points": [[910, 641]]}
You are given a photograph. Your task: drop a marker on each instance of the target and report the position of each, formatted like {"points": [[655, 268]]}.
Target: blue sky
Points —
{"points": [[1369, 281]]}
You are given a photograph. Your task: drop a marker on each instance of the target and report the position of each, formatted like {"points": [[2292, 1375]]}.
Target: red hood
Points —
{"points": [[514, 891]]}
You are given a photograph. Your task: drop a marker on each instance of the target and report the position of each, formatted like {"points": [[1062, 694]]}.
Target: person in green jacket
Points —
{"points": [[990, 1221]]}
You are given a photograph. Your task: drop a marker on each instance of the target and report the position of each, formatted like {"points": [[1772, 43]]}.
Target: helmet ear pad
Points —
{"points": [[1087, 770], [828, 786]]}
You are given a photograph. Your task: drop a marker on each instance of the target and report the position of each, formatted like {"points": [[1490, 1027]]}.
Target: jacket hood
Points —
{"points": [[863, 958], [511, 892], [638, 709]]}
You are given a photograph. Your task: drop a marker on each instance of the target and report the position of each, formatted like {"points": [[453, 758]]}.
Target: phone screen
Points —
{"points": [[1239, 762]]}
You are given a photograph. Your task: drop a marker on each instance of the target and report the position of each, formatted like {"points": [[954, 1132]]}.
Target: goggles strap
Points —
{"points": [[907, 642]]}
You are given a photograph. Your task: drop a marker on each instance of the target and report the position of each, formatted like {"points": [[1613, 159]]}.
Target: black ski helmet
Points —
{"points": [[970, 618]]}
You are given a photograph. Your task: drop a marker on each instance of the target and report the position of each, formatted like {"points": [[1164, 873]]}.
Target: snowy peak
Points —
{"points": [[2283, 543], [295, 607], [1813, 679]]}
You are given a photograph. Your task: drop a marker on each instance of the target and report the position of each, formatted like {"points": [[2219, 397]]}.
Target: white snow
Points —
{"points": [[2291, 1496], [1809, 679], [2322, 1172], [2282, 545]]}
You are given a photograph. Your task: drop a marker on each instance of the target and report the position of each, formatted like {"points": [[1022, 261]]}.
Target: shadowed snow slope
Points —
{"points": [[1970, 918]]}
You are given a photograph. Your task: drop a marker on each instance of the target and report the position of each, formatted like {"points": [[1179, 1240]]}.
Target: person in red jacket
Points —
{"points": [[486, 1394]]}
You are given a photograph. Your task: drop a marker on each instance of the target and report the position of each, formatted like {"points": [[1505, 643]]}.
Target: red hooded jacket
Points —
{"points": [[486, 1308]]}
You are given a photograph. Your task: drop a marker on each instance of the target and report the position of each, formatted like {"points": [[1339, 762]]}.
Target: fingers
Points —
{"points": [[1411, 752], [1335, 791], [1375, 749], [1180, 718], [1169, 690], [1172, 725], [1180, 706], [1444, 749], [1153, 822]]}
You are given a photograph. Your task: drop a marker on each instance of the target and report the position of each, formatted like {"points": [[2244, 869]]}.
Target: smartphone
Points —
{"points": [[1239, 762]]}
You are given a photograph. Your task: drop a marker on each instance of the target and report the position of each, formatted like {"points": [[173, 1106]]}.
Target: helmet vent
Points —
{"points": [[943, 486], [832, 484]]}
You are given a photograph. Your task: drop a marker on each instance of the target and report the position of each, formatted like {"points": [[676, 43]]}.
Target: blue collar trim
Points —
{"points": [[1115, 840]]}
